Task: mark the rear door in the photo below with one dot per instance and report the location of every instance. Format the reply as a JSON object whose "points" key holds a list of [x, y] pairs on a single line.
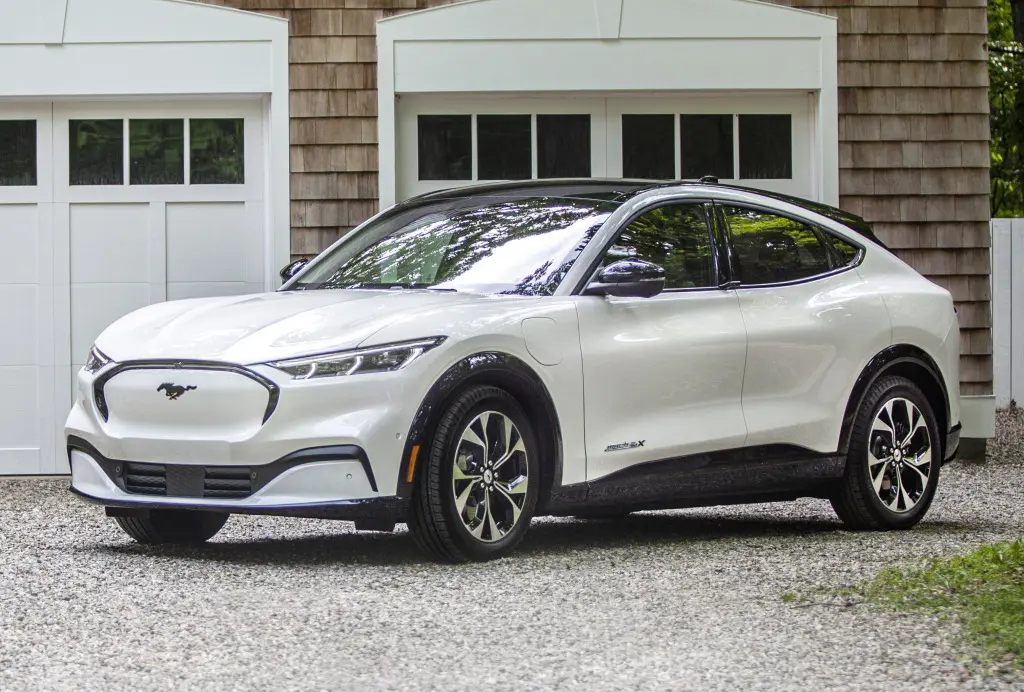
{"points": [[811, 322], [663, 376]]}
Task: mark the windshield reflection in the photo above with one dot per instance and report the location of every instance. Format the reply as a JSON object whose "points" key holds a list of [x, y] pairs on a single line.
{"points": [[522, 246]]}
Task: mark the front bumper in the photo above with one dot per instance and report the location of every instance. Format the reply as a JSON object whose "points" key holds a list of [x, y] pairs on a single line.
{"points": [[305, 442], [329, 483], [390, 510]]}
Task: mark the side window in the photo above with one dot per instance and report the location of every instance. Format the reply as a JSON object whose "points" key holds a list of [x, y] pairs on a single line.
{"points": [[675, 238], [773, 249], [846, 253]]}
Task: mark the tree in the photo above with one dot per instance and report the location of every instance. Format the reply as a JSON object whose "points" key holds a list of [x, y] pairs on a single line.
{"points": [[1006, 92]]}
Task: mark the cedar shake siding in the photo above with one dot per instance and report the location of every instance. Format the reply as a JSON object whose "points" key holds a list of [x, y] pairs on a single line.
{"points": [[913, 131]]}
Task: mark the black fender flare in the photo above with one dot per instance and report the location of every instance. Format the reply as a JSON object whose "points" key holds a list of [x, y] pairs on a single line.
{"points": [[498, 369], [899, 359]]}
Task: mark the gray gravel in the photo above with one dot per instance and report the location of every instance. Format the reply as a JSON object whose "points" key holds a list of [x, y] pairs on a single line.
{"points": [[671, 600]]}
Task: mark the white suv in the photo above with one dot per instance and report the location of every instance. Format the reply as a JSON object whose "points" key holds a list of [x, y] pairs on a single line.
{"points": [[473, 358]]}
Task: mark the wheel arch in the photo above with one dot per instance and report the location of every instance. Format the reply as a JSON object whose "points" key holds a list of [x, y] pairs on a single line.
{"points": [[497, 369], [906, 361]]}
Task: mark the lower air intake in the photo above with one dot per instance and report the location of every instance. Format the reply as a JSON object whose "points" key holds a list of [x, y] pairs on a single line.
{"points": [[227, 482], [145, 479]]}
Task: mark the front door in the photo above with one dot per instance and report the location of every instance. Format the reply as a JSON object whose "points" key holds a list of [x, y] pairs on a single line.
{"points": [[663, 376]]}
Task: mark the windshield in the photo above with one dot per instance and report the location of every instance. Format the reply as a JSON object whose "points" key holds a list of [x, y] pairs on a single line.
{"points": [[521, 246]]}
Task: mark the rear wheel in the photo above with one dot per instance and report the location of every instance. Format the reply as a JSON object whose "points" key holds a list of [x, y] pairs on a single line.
{"points": [[892, 468], [476, 494], [173, 526]]}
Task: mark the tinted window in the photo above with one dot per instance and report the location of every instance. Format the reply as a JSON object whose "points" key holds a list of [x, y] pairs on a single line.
{"points": [[217, 149], [773, 249], [766, 147], [17, 152], [675, 238], [156, 152], [504, 147], [648, 147], [445, 147], [705, 146], [563, 146], [97, 152], [846, 253]]}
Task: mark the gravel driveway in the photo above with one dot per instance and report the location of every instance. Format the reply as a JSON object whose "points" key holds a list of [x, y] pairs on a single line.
{"points": [[669, 600]]}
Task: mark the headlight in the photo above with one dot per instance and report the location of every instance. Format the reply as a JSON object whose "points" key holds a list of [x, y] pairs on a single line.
{"points": [[377, 359], [97, 361]]}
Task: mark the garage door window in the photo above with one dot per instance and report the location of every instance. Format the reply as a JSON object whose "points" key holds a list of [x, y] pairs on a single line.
{"points": [[17, 153], [446, 147], [97, 152], [503, 147], [648, 147], [157, 152], [563, 146], [760, 147], [766, 147], [705, 146], [217, 147]]}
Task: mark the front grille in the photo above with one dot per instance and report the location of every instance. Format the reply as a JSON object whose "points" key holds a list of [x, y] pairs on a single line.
{"points": [[227, 481], [180, 480], [145, 479]]}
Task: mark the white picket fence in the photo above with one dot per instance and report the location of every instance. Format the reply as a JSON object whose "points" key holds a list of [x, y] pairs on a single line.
{"points": [[1008, 310]]}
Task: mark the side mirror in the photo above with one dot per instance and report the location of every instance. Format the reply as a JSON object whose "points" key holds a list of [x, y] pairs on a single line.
{"points": [[293, 269], [629, 278]]}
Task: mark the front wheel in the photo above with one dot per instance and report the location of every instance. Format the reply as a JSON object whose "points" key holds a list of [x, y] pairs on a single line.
{"points": [[475, 496], [895, 452], [174, 526]]}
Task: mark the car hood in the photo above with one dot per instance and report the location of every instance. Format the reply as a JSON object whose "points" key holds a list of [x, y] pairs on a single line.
{"points": [[265, 327]]}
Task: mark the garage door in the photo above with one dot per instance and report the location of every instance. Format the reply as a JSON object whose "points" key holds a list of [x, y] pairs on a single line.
{"points": [[763, 141], [105, 208]]}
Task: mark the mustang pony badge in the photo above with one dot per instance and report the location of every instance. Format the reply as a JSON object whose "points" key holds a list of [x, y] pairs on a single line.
{"points": [[174, 391]]}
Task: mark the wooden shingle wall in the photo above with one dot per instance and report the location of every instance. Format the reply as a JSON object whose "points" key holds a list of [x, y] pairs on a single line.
{"points": [[333, 54], [913, 130], [914, 146]]}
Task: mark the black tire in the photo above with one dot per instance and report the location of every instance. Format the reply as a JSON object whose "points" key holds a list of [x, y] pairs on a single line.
{"points": [[855, 499], [173, 526], [434, 521]]}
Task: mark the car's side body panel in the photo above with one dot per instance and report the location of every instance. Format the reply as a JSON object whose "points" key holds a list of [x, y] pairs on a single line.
{"points": [[922, 315], [806, 344], [664, 376], [496, 325]]}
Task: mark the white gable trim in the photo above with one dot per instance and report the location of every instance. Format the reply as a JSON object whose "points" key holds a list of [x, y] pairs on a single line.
{"points": [[600, 46]]}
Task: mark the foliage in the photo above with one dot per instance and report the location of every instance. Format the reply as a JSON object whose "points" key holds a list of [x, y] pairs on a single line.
{"points": [[509, 247], [1006, 92], [984, 589]]}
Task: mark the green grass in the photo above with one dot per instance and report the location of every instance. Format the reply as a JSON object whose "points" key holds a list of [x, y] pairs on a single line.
{"points": [[984, 589]]}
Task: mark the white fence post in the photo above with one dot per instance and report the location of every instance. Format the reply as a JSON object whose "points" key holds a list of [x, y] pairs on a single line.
{"points": [[1008, 311], [1017, 312], [1002, 306]]}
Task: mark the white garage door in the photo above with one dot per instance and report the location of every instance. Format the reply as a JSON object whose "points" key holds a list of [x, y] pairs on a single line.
{"points": [[105, 208], [762, 141]]}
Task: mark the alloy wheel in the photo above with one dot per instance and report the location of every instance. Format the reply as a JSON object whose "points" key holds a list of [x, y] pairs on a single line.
{"points": [[490, 476], [899, 455]]}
